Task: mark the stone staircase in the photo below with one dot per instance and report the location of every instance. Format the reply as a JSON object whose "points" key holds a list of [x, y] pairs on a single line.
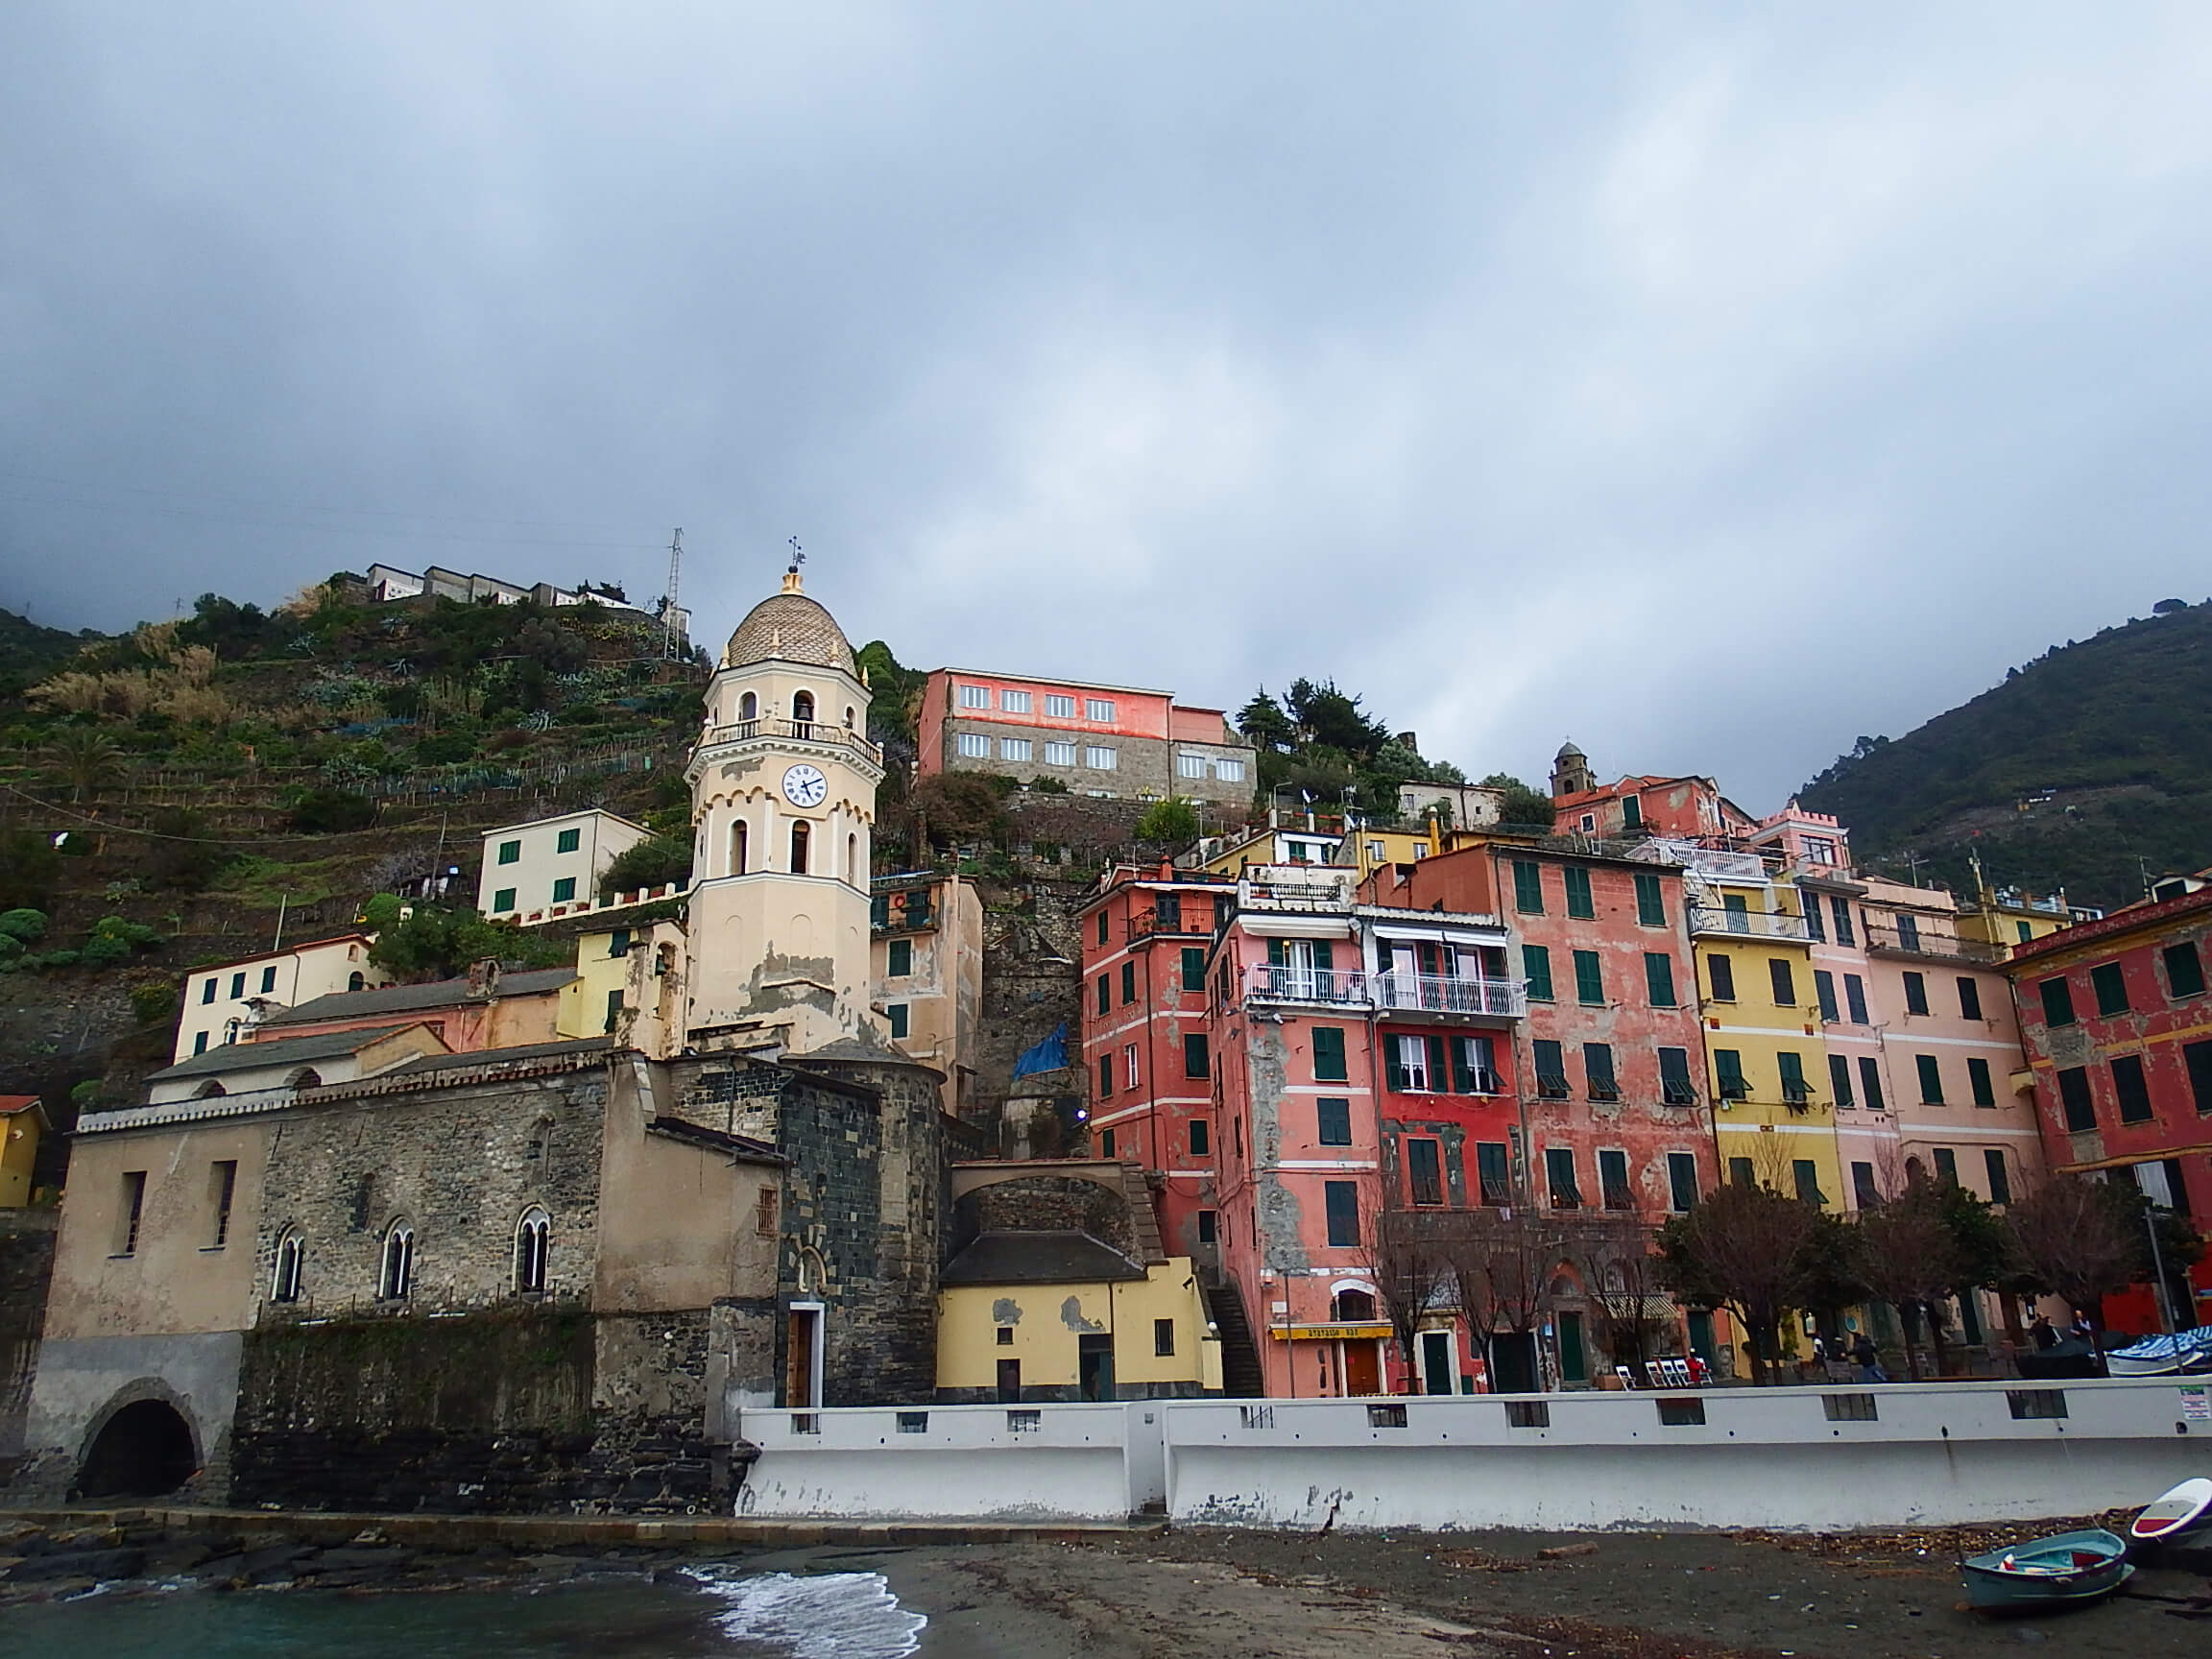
{"points": [[1241, 1378]]}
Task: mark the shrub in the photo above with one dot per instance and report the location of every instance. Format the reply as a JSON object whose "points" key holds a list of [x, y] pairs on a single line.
{"points": [[28, 870], [154, 1004], [23, 925], [182, 854], [653, 862], [1172, 820], [332, 811]]}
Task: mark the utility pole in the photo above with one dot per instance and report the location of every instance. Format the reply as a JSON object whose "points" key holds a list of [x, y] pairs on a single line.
{"points": [[675, 588], [2158, 1268]]}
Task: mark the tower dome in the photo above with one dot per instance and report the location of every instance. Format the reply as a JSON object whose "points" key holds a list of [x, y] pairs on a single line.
{"points": [[792, 628]]}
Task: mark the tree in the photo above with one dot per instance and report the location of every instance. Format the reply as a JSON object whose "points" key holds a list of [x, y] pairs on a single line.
{"points": [[1263, 721], [1748, 1248], [1412, 1273], [1333, 719], [656, 861], [1624, 1279], [433, 944], [2078, 1238], [1522, 805], [329, 812], [87, 757], [1501, 1262], [1171, 820], [30, 870], [1909, 1257]]}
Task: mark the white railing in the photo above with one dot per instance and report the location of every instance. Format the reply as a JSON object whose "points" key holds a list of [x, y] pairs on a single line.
{"points": [[588, 906], [1329, 987], [1751, 924], [1296, 887], [1441, 993], [822, 732]]}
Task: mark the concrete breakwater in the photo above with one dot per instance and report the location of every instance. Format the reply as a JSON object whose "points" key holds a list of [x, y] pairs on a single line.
{"points": [[1784, 1459]]}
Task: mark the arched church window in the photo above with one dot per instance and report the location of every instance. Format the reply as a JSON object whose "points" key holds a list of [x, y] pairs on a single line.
{"points": [[356, 981], [285, 1281], [306, 1078], [532, 1238], [749, 706], [396, 1278], [740, 836], [801, 834], [802, 708]]}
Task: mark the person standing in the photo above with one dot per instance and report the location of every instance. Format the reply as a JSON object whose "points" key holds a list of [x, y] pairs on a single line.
{"points": [[1869, 1360]]}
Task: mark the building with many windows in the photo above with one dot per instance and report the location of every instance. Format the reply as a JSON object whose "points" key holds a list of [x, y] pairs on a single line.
{"points": [[530, 869], [1108, 740], [225, 1002], [2118, 1030]]}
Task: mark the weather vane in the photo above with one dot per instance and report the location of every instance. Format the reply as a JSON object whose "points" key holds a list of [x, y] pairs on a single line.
{"points": [[798, 553]]}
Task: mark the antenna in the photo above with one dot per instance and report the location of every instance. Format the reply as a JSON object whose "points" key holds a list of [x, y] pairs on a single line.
{"points": [[798, 553], [675, 586]]}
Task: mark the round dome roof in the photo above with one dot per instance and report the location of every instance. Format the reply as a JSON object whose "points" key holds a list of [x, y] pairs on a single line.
{"points": [[1568, 748], [790, 626]]}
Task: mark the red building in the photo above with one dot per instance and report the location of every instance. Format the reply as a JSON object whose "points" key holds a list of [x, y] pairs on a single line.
{"points": [[1680, 809], [1148, 1037], [2118, 1031]]}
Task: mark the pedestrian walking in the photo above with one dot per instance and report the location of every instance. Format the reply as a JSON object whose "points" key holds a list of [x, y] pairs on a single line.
{"points": [[1869, 1360]]}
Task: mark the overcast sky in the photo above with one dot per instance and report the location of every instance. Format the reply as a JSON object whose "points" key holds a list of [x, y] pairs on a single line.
{"points": [[1708, 386]]}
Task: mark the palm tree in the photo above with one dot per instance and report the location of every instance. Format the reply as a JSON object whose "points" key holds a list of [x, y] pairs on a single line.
{"points": [[86, 756]]}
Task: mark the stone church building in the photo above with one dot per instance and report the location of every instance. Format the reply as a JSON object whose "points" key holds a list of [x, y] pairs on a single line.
{"points": [[543, 1277]]}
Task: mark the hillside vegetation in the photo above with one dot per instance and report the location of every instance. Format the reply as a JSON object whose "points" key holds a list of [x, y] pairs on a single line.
{"points": [[2085, 765]]}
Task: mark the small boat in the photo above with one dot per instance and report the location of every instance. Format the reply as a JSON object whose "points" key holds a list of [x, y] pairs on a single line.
{"points": [[2177, 1514], [2185, 1351], [2045, 1572]]}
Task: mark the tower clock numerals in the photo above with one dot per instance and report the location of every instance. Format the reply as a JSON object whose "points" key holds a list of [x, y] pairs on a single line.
{"points": [[804, 785]]}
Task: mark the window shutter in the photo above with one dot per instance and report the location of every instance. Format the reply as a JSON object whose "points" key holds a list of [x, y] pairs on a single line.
{"points": [[1324, 955], [1463, 1066], [1436, 1064], [1536, 966], [1277, 957]]}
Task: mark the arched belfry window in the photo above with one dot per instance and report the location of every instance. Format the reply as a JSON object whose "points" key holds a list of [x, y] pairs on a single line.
{"points": [[396, 1278], [802, 708], [741, 838], [285, 1277], [749, 706], [851, 718], [532, 1235], [801, 834], [356, 981]]}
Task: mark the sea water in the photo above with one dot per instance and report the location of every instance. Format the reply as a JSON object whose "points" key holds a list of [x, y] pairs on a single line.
{"points": [[708, 1612]]}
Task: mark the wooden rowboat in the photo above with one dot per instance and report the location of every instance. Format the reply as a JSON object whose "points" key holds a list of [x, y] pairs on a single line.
{"points": [[2069, 1567], [2177, 1514]]}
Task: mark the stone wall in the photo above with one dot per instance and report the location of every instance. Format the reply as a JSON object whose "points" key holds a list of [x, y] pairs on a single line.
{"points": [[1032, 983], [1047, 1204], [26, 1267], [541, 1409]]}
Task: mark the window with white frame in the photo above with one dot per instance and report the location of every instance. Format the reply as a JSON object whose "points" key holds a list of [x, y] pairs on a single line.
{"points": [[1100, 758], [1099, 708], [1190, 765], [1059, 754], [1014, 701], [395, 1277], [1059, 708], [975, 746], [1013, 748], [1229, 770], [531, 1237], [974, 696], [1412, 1064], [285, 1282]]}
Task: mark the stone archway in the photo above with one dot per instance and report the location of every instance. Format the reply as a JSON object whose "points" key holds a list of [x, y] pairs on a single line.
{"points": [[144, 1447]]}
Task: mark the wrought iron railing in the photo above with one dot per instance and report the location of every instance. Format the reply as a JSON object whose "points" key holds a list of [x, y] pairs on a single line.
{"points": [[1442, 993], [1749, 923], [1327, 986], [1882, 936]]}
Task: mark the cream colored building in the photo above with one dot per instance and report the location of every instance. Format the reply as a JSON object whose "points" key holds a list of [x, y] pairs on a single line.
{"points": [[223, 1003], [533, 870], [629, 985], [783, 808], [926, 973]]}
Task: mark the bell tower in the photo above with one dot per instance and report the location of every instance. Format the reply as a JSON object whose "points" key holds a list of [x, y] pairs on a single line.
{"points": [[783, 808]]}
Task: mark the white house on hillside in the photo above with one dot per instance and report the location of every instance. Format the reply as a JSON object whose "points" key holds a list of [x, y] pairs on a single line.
{"points": [[223, 1000], [550, 861]]}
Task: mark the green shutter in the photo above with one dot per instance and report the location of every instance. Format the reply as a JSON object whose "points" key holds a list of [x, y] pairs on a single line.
{"points": [[1978, 1078], [1277, 955], [1729, 1064], [1324, 955], [1193, 968], [1463, 1066], [1651, 904], [1529, 886], [1659, 979], [1589, 978], [1793, 1069], [1578, 900], [1436, 1064], [1329, 1054], [1536, 965]]}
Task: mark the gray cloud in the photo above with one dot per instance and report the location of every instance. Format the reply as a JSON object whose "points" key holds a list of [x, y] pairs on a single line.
{"points": [[1710, 387]]}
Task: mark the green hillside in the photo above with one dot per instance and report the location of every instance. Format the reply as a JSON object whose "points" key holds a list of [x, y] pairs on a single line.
{"points": [[2084, 767]]}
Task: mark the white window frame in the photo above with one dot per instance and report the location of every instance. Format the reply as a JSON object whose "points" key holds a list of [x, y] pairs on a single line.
{"points": [[1229, 770], [1058, 707], [1413, 1063], [975, 746], [974, 696], [1058, 753], [1190, 765], [1014, 701], [1013, 749], [1099, 711], [1101, 758], [1129, 1066]]}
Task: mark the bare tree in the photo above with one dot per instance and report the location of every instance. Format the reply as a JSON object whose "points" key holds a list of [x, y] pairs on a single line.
{"points": [[1501, 1262], [1625, 1288], [1412, 1272], [1908, 1257], [1748, 1248], [2078, 1238]]}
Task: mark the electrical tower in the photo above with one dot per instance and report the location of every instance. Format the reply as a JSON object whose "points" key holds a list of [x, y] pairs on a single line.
{"points": [[675, 588]]}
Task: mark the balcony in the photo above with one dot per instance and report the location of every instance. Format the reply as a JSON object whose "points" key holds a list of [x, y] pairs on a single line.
{"points": [[1885, 939], [1308, 887], [822, 732], [1441, 993], [1745, 924], [1316, 987]]}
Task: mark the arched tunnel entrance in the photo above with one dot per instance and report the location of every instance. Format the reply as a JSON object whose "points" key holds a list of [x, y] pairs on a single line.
{"points": [[143, 1451]]}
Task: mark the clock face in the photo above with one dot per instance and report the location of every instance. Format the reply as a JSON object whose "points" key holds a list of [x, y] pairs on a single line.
{"points": [[804, 785]]}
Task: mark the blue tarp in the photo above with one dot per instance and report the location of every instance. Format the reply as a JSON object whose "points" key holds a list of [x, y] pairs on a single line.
{"points": [[1050, 1055]]}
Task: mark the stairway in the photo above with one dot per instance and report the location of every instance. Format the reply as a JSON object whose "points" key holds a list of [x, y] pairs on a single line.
{"points": [[1241, 1378]]}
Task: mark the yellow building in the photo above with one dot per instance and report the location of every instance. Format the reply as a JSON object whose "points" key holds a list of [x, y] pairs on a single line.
{"points": [[22, 1121], [1774, 1117], [2005, 917], [1367, 849], [628, 985], [1058, 1316]]}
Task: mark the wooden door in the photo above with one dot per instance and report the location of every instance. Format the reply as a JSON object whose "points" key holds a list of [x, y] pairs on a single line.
{"points": [[1362, 1368]]}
